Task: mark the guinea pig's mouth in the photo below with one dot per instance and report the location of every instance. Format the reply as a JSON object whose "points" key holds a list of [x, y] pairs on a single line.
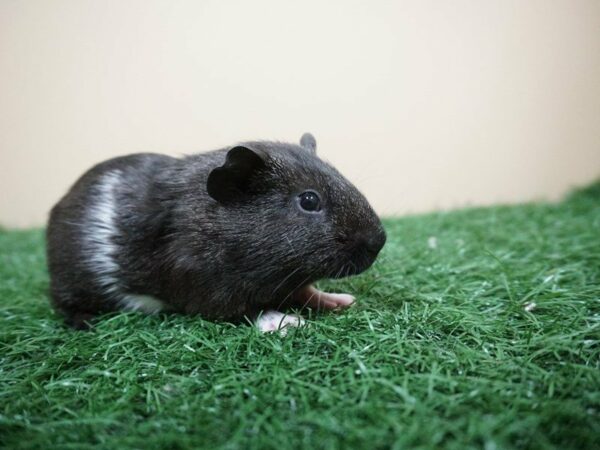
{"points": [[361, 253], [356, 264]]}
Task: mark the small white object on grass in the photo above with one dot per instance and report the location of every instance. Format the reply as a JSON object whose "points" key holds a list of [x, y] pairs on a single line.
{"points": [[432, 242], [310, 297], [529, 306], [272, 320]]}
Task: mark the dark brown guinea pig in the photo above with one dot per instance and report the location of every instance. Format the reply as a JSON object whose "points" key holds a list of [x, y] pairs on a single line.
{"points": [[235, 233]]}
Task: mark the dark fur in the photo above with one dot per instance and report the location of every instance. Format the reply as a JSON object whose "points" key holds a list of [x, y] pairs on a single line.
{"points": [[244, 249]]}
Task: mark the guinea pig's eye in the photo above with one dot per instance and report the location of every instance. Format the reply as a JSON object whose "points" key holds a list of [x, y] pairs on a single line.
{"points": [[310, 201]]}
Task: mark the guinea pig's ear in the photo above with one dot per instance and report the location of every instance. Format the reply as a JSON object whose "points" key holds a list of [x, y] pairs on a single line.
{"points": [[309, 142], [231, 181]]}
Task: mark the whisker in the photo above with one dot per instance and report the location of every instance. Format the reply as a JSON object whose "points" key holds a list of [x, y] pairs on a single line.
{"points": [[294, 290], [286, 278], [291, 245], [307, 301]]}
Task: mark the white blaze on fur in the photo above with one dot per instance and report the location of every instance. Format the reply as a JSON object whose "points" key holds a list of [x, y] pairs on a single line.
{"points": [[99, 233], [272, 320], [143, 303], [100, 230]]}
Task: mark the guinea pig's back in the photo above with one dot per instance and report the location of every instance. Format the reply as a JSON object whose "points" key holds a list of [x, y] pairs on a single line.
{"points": [[94, 225]]}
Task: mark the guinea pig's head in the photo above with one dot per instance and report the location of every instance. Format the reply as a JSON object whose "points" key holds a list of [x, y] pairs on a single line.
{"points": [[296, 218]]}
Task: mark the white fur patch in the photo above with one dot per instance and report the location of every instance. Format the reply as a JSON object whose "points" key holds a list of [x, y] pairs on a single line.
{"points": [[143, 303], [99, 232], [272, 320]]}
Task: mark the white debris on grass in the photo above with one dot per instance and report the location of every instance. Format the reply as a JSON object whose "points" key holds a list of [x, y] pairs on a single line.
{"points": [[432, 242]]}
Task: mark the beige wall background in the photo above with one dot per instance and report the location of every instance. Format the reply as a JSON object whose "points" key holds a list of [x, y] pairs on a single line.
{"points": [[423, 104]]}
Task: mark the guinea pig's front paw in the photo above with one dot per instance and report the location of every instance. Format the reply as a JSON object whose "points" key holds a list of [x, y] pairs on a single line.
{"points": [[272, 320], [314, 298]]}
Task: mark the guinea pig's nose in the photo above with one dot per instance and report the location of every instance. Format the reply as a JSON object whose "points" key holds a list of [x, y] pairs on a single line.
{"points": [[375, 241]]}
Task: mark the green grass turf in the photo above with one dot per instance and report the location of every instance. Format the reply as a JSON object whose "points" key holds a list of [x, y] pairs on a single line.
{"points": [[440, 351]]}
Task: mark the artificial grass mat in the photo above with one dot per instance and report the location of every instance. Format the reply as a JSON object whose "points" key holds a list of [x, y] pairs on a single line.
{"points": [[477, 328]]}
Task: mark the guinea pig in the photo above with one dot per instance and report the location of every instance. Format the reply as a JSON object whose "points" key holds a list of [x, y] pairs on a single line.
{"points": [[235, 234]]}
